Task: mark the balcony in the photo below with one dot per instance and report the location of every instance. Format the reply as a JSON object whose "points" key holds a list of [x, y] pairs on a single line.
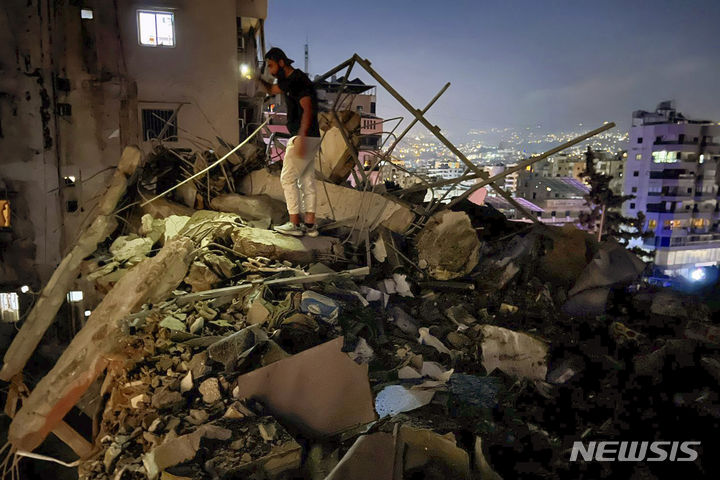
{"points": [[676, 146]]}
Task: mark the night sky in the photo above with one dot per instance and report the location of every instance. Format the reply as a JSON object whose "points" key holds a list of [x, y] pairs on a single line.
{"points": [[518, 63]]}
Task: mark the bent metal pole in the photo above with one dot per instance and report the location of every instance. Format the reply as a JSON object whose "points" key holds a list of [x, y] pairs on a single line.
{"points": [[211, 166]]}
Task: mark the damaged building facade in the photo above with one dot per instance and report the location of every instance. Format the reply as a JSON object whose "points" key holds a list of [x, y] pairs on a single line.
{"points": [[80, 80]]}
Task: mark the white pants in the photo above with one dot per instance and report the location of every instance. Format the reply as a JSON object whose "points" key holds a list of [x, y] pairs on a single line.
{"points": [[298, 175]]}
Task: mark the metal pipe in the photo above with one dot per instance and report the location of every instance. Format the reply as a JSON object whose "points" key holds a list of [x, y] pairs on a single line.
{"points": [[440, 183], [436, 131], [214, 164], [524, 164], [415, 120], [334, 70]]}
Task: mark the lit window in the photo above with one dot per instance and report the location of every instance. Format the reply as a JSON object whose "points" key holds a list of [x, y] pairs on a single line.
{"points": [[86, 13], [664, 157], [74, 296], [652, 224], [9, 307], [5, 213], [156, 29], [638, 156]]}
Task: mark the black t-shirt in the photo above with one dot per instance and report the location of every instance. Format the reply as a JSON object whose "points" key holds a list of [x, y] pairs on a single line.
{"points": [[295, 87]]}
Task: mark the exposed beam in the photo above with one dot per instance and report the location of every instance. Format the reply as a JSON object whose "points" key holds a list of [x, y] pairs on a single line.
{"points": [[436, 131], [526, 163]]}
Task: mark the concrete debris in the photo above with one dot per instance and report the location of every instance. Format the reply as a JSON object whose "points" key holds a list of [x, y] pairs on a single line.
{"points": [[210, 390], [338, 203], [611, 267], [180, 449], [448, 246], [216, 348], [320, 391], [99, 340], [251, 207], [53, 294], [131, 249], [228, 350], [255, 242], [201, 277], [371, 456], [514, 353], [335, 160], [426, 338]]}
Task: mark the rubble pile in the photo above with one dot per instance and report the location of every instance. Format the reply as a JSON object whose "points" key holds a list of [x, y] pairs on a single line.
{"points": [[474, 347]]}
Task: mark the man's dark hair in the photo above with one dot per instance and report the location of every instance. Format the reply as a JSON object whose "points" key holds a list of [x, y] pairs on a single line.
{"points": [[275, 54]]}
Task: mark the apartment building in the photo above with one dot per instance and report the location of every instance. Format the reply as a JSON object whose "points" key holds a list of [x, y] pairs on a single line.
{"points": [[672, 169]]}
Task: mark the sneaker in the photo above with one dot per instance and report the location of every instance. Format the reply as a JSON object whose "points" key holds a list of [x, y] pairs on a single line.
{"points": [[289, 228], [311, 231]]}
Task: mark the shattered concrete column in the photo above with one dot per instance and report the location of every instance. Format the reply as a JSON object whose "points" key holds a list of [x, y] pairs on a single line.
{"points": [[448, 246], [100, 342], [53, 295]]}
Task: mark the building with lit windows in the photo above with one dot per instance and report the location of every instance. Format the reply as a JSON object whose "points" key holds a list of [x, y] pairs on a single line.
{"points": [[672, 169]]}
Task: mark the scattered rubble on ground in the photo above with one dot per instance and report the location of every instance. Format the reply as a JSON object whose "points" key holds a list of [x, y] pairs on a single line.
{"points": [[454, 345]]}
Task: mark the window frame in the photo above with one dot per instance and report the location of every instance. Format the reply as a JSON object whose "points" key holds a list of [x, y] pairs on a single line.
{"points": [[155, 12]]}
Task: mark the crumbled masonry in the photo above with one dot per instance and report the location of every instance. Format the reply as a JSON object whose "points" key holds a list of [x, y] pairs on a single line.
{"points": [[399, 344]]}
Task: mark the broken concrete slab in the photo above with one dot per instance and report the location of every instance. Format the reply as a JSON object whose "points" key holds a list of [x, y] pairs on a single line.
{"points": [[259, 445], [418, 449], [210, 390], [200, 277], [514, 353], [371, 456], [255, 242], [669, 304], [251, 207], [448, 246], [336, 160], [164, 398], [334, 202], [164, 208], [612, 265], [228, 350], [321, 391], [180, 449], [98, 342], [566, 253], [131, 248]]}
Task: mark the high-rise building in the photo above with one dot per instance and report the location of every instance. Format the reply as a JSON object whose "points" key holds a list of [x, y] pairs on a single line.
{"points": [[672, 168]]}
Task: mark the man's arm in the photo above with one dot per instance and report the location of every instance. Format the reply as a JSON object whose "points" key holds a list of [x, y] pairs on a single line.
{"points": [[306, 120], [270, 88]]}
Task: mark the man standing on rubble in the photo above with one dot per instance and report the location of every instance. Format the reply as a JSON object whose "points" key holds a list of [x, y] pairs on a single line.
{"points": [[298, 171]]}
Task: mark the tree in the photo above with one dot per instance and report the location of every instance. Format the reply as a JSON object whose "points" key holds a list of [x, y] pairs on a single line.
{"points": [[605, 214]]}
